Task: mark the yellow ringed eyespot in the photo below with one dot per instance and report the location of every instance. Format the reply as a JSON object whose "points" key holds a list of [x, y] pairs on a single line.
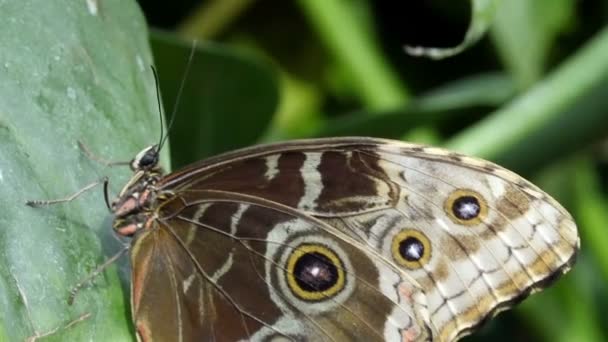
{"points": [[411, 248], [314, 272], [466, 207]]}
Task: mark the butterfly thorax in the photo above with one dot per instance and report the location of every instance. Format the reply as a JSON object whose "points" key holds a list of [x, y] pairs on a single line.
{"points": [[135, 204]]}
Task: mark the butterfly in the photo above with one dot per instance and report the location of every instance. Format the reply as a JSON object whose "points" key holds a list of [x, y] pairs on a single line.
{"points": [[334, 239]]}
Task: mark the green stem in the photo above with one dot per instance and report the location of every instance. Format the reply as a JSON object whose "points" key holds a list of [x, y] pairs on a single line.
{"points": [[546, 102], [591, 213], [212, 17], [338, 25]]}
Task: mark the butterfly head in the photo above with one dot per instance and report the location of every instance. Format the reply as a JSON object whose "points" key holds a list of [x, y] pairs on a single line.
{"points": [[135, 197], [146, 159]]}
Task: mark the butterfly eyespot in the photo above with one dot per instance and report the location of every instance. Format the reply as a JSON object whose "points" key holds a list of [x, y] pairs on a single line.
{"points": [[466, 207], [411, 248], [314, 272]]}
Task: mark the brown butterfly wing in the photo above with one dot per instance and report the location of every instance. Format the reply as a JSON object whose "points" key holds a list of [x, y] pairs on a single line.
{"points": [[322, 177], [214, 271], [379, 192]]}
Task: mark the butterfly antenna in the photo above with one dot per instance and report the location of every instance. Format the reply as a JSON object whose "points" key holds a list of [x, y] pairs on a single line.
{"points": [[160, 109], [179, 93]]}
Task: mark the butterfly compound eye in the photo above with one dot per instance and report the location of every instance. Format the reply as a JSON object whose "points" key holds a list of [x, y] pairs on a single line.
{"points": [[149, 159], [146, 159]]}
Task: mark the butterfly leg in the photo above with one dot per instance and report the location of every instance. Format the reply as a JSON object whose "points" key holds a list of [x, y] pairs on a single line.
{"points": [[37, 335], [42, 203], [92, 156], [74, 291], [87, 152]]}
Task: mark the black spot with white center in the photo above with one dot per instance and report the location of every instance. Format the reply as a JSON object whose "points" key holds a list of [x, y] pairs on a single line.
{"points": [[411, 249], [466, 207], [315, 272]]}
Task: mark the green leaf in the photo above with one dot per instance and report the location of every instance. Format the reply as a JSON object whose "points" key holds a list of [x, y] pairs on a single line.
{"points": [[452, 100], [482, 14], [591, 210], [486, 89], [349, 38], [524, 32], [228, 101], [70, 70], [562, 112]]}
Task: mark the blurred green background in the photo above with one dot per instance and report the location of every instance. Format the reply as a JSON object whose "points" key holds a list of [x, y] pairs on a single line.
{"points": [[522, 83]]}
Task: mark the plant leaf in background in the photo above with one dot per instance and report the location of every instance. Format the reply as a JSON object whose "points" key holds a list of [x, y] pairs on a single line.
{"points": [[565, 110], [349, 37], [453, 100], [525, 33], [69, 71], [228, 100], [482, 14]]}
